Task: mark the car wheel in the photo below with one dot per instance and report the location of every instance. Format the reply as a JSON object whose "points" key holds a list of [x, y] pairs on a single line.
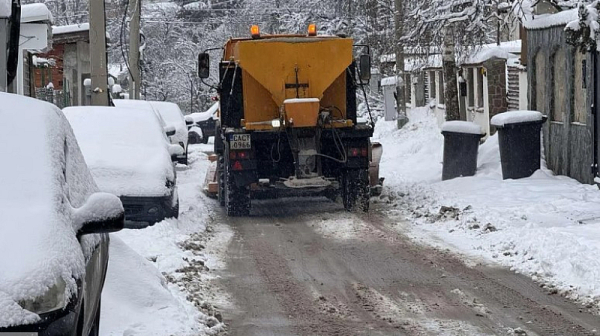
{"points": [[96, 326]]}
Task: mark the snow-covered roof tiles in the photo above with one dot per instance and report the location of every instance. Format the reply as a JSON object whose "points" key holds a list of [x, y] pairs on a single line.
{"points": [[36, 12], [550, 20], [75, 28]]}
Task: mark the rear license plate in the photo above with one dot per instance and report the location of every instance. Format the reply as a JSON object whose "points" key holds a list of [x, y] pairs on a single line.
{"points": [[240, 141]]}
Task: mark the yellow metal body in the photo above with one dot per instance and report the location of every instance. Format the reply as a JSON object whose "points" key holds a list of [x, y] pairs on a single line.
{"points": [[278, 68]]}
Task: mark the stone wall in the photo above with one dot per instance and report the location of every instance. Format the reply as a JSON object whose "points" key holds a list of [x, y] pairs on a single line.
{"points": [[496, 79]]}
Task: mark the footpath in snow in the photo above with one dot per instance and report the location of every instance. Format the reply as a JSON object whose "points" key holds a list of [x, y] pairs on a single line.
{"points": [[544, 226], [158, 280]]}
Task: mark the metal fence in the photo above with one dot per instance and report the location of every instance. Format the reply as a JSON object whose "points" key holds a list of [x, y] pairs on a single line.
{"points": [[56, 97]]}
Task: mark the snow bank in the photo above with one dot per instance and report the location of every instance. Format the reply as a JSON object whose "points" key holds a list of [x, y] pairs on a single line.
{"points": [[514, 117], [545, 226], [115, 141], [137, 300], [458, 126]]}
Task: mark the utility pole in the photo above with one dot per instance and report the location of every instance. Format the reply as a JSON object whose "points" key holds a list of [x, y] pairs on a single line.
{"points": [[99, 72], [134, 48], [400, 89]]}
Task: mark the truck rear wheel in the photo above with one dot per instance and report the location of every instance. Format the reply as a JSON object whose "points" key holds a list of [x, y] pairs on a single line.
{"points": [[237, 199], [355, 190]]}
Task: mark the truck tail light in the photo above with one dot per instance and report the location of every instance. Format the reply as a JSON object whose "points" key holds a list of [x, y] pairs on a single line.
{"points": [[357, 152]]}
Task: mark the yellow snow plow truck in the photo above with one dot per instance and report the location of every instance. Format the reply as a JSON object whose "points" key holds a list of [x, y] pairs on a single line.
{"points": [[288, 121]]}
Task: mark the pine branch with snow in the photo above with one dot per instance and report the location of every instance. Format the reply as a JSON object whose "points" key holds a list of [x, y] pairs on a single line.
{"points": [[583, 32]]}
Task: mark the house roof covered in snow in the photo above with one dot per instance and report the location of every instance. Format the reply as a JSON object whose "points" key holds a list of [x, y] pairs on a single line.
{"points": [[506, 50], [36, 12], [550, 20], [75, 28]]}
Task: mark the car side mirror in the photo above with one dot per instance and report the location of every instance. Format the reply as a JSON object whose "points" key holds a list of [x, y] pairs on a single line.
{"points": [[189, 121], [204, 65], [365, 68], [176, 151], [101, 213], [170, 131]]}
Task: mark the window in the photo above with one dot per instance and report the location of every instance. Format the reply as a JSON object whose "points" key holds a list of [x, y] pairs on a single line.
{"points": [[479, 87], [470, 86], [559, 83], [432, 85], [442, 99], [540, 82], [579, 88]]}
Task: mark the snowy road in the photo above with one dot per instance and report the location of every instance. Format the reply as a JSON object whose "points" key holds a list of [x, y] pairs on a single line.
{"points": [[306, 267]]}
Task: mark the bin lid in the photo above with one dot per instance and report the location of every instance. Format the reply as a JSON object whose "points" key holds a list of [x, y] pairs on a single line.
{"points": [[516, 117], [458, 126]]}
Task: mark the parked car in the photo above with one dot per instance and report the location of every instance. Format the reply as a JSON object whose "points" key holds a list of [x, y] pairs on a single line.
{"points": [[54, 225], [129, 156], [195, 135], [145, 106], [207, 121], [173, 116]]}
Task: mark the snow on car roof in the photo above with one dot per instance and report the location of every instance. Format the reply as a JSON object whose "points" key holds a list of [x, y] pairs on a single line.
{"points": [[203, 116], [38, 243], [139, 105], [124, 148]]}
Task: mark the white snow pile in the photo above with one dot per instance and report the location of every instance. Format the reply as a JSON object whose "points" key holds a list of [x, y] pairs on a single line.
{"points": [[545, 226], [155, 272], [115, 142], [172, 116], [515, 117], [137, 301], [459, 126], [38, 243]]}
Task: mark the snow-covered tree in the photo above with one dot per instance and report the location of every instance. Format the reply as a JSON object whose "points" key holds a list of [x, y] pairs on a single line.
{"points": [[456, 26]]}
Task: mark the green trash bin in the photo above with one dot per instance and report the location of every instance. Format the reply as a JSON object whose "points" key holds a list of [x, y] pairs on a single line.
{"points": [[519, 137], [461, 143]]}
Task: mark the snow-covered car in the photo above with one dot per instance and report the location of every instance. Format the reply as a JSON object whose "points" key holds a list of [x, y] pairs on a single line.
{"points": [[173, 116], [207, 121], [129, 156], [54, 225], [195, 135], [145, 106]]}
